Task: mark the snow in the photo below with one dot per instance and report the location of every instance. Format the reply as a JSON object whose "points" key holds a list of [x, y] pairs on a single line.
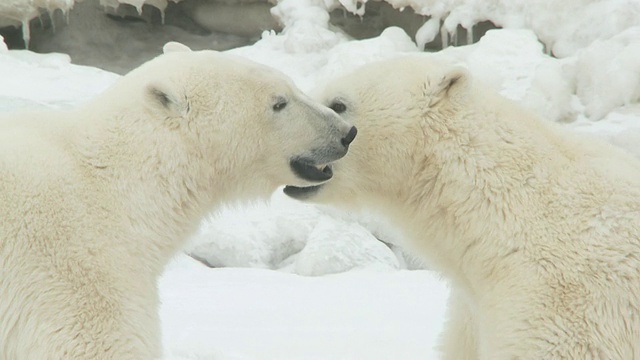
{"points": [[286, 280], [36, 80], [259, 314]]}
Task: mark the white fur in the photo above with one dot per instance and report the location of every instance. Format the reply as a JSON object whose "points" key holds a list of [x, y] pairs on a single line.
{"points": [[537, 229], [96, 200]]}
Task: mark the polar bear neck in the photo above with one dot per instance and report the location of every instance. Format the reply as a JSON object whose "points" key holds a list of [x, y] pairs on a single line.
{"points": [[485, 177], [140, 178]]}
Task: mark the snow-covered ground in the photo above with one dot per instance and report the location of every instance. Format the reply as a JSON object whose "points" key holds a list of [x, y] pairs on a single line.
{"points": [[292, 281]]}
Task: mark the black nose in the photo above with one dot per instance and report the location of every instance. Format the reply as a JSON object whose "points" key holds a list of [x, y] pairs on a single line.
{"points": [[350, 136]]}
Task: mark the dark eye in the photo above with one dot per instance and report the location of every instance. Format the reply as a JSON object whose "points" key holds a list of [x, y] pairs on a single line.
{"points": [[281, 104], [338, 107]]}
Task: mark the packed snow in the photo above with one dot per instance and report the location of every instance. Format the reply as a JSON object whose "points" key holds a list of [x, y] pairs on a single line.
{"points": [[284, 280]]}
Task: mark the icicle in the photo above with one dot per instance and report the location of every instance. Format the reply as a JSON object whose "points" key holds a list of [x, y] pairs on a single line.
{"points": [[52, 16], [427, 32], [162, 16], [444, 36], [40, 19], [470, 35], [547, 48], [26, 32], [454, 37]]}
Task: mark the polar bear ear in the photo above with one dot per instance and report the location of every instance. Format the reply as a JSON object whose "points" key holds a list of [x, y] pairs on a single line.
{"points": [[174, 46], [453, 83], [175, 104]]}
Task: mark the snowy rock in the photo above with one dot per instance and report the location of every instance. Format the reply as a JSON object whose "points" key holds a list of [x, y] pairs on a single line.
{"points": [[613, 66], [260, 235], [336, 246], [288, 235], [306, 26], [513, 63]]}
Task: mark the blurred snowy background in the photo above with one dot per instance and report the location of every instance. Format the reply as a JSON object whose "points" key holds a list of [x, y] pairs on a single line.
{"points": [[344, 285]]}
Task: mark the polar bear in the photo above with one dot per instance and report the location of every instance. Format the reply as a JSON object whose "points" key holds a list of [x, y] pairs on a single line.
{"points": [[537, 229], [96, 200]]}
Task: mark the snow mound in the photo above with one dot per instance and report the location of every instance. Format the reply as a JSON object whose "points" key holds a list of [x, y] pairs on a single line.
{"points": [[513, 63], [288, 235], [260, 235], [336, 246], [613, 66], [309, 67]]}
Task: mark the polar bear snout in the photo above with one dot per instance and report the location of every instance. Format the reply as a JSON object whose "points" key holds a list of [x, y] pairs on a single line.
{"points": [[315, 165]]}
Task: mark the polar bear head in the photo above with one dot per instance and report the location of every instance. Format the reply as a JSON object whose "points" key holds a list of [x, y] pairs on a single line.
{"points": [[236, 120], [402, 108]]}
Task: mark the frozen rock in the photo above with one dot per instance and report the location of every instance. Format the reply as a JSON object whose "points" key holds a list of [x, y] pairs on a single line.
{"points": [[335, 246]]}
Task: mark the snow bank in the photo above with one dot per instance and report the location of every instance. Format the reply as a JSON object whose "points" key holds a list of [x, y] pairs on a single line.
{"points": [[563, 26], [31, 80]]}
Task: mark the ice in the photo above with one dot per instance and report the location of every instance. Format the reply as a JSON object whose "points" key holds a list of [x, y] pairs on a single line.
{"points": [[306, 26], [20, 12], [427, 32]]}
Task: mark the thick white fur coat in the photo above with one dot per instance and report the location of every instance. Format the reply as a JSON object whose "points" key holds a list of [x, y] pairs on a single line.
{"points": [[538, 229]]}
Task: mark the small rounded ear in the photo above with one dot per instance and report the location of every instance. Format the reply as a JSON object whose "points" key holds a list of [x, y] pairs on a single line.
{"points": [[174, 46], [175, 104], [453, 82]]}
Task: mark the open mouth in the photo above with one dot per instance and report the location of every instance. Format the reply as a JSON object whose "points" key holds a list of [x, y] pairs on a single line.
{"points": [[307, 170], [301, 193]]}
